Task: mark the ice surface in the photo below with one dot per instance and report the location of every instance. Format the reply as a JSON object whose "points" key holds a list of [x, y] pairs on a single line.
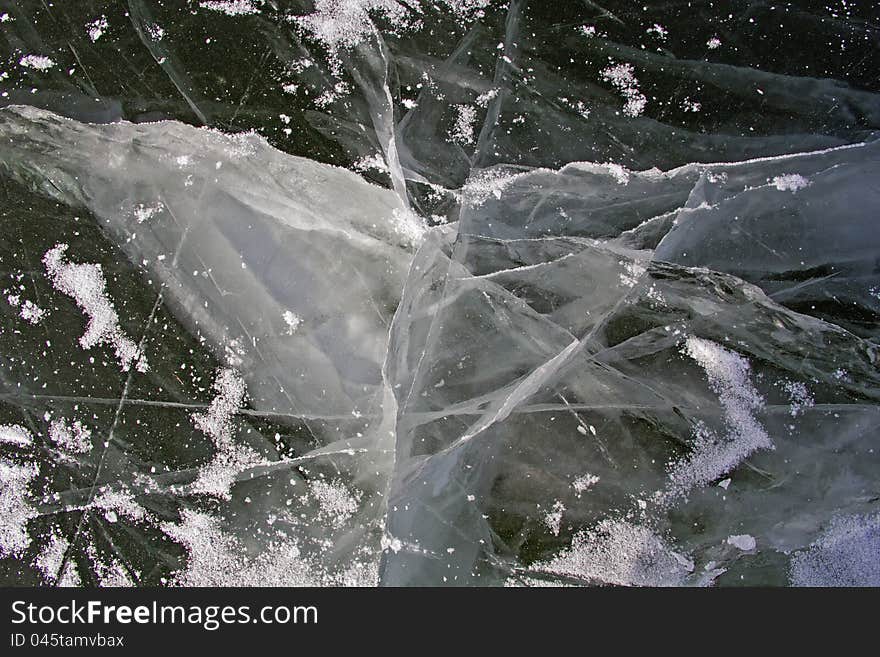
{"points": [[438, 293]]}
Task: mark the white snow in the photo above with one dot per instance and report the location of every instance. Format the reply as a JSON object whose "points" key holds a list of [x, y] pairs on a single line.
{"points": [[96, 28], [292, 321], [584, 483], [335, 502], [217, 558], [85, 284], [14, 506], [37, 62], [28, 310], [846, 554], [622, 77], [618, 552], [218, 476], [15, 434], [744, 542], [72, 437], [790, 182], [50, 558], [553, 518], [712, 455], [144, 212], [463, 131], [231, 7]]}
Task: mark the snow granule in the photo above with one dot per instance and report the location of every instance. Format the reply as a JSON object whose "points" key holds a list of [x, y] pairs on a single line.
{"points": [[374, 162], [116, 503], [27, 310], [409, 226], [49, 561], [343, 24], [484, 185], [155, 31], [144, 212], [659, 31], [108, 571]]}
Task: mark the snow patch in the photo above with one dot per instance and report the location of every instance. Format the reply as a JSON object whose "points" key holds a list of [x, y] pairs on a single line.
{"points": [[622, 77], [85, 284], [618, 552], [713, 456], [37, 62], [14, 506]]}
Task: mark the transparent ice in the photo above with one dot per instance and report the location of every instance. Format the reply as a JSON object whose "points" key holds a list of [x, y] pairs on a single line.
{"points": [[476, 295]]}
